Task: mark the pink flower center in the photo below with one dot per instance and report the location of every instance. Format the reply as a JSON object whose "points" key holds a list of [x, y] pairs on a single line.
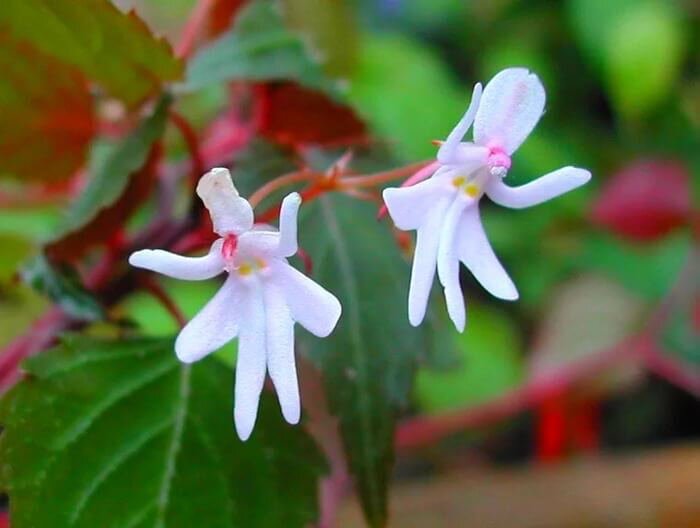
{"points": [[498, 158], [229, 247]]}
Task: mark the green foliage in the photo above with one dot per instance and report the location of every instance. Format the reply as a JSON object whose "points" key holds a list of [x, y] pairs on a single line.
{"points": [[118, 433], [114, 49], [110, 178], [490, 354], [405, 93], [368, 362], [62, 285], [259, 48]]}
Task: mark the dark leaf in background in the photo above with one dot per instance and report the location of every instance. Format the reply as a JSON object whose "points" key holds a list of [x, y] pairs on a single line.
{"points": [[369, 361], [258, 48], [222, 13], [63, 286], [46, 114], [645, 200], [114, 49], [293, 115], [119, 433], [116, 187]]}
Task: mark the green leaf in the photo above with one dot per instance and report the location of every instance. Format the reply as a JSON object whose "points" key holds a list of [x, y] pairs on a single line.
{"points": [[490, 353], [258, 48], [368, 362], [111, 175], [46, 114], [112, 48], [119, 434], [406, 94], [62, 285], [19, 307]]}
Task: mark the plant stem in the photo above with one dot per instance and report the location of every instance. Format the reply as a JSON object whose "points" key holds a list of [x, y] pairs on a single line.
{"points": [[192, 143], [279, 182], [193, 27]]}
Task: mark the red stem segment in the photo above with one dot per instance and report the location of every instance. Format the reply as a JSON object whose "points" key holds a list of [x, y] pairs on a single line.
{"points": [[193, 28]]}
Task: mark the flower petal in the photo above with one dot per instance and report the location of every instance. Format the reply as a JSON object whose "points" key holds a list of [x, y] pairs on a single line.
{"points": [[250, 365], [179, 267], [410, 206], [448, 149], [448, 261], [511, 106], [310, 305], [288, 225], [540, 190], [476, 253], [229, 212], [425, 258], [279, 328], [214, 326]]}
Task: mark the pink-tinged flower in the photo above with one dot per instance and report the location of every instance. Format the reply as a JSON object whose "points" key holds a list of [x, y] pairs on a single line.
{"points": [[262, 298], [444, 209]]}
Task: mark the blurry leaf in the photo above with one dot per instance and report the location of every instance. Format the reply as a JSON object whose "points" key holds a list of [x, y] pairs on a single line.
{"points": [[587, 316], [258, 48], [490, 351], [63, 286], [259, 162], [14, 250], [118, 184], [406, 94], [647, 270], [119, 433], [46, 114], [114, 49], [34, 223], [368, 362], [682, 337], [221, 15], [19, 307], [293, 115], [645, 200], [644, 56], [331, 26]]}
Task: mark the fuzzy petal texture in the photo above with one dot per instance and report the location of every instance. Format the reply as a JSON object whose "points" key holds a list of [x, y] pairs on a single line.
{"points": [[310, 305], [448, 261], [250, 365], [512, 104], [425, 258], [540, 190], [281, 365], [477, 255], [448, 150], [230, 213], [409, 207], [214, 326], [179, 267]]}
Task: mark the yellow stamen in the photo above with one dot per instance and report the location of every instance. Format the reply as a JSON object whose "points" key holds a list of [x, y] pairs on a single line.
{"points": [[260, 263], [245, 269], [471, 190], [458, 181]]}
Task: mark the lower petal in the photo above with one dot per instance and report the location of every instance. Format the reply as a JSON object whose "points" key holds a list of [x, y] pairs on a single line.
{"points": [[476, 253], [448, 262], [214, 326], [279, 328], [409, 207], [250, 366]]}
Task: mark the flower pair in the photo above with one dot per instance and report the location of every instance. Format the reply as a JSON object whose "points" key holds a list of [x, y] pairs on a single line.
{"points": [[263, 296]]}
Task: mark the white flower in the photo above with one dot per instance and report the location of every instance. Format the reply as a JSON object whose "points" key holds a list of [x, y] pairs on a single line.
{"points": [[262, 298], [445, 208]]}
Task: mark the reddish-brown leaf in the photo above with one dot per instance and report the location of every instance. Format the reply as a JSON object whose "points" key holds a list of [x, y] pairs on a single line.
{"points": [[222, 14], [292, 115], [645, 200], [109, 221], [46, 114]]}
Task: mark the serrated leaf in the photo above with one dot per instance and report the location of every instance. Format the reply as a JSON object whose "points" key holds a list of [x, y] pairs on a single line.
{"points": [[108, 182], [118, 434], [258, 48], [368, 362], [46, 114], [115, 49], [63, 286]]}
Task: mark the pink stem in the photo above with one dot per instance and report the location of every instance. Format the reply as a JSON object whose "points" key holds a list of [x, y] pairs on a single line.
{"points": [[193, 28]]}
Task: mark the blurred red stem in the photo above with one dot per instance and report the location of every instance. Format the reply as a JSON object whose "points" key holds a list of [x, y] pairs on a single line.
{"points": [[154, 288], [193, 27], [192, 142]]}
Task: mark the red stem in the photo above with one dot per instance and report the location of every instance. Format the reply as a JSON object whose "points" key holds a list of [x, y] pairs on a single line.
{"points": [[192, 142], [154, 288], [193, 27]]}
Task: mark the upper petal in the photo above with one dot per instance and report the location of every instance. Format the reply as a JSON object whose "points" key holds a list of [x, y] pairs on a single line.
{"points": [[179, 267], [512, 104], [448, 149], [214, 326], [310, 305], [540, 190], [229, 212], [288, 225], [476, 253]]}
